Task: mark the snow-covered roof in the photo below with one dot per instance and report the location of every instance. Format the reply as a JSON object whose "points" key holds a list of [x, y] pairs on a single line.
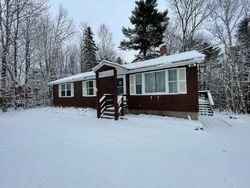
{"points": [[108, 63], [75, 78], [170, 60], [181, 59]]}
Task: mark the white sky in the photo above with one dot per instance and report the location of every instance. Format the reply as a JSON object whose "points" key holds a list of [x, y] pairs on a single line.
{"points": [[114, 13]]}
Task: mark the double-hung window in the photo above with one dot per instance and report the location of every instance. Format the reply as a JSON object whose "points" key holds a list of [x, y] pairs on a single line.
{"points": [[182, 80], [88, 88], [155, 82], [136, 84], [66, 90], [172, 81], [177, 80]]}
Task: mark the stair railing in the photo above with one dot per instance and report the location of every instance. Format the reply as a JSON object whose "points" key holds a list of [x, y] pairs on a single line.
{"points": [[120, 102], [104, 101]]}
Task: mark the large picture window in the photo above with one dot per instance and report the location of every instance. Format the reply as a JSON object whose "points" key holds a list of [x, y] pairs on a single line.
{"points": [[88, 88], [155, 82], [66, 90]]}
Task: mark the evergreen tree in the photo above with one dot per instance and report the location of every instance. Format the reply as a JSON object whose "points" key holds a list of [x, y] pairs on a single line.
{"points": [[149, 27], [88, 51], [243, 35]]}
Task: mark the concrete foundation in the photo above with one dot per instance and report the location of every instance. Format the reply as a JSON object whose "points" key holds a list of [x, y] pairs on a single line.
{"points": [[186, 115]]}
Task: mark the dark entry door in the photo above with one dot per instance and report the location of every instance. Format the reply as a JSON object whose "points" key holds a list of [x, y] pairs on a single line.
{"points": [[120, 86]]}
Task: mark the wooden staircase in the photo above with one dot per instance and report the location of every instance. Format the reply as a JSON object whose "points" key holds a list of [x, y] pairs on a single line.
{"points": [[205, 109], [110, 107], [206, 103]]}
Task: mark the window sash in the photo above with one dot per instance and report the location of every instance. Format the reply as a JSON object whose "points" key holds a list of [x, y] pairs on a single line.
{"points": [[172, 81], [138, 84], [89, 88], [155, 82], [66, 90]]}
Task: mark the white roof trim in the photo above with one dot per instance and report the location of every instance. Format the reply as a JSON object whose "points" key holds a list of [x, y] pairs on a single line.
{"points": [[163, 66], [108, 63], [75, 78]]}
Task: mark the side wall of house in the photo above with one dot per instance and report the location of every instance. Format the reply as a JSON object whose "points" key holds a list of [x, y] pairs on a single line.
{"points": [[172, 103], [78, 100]]}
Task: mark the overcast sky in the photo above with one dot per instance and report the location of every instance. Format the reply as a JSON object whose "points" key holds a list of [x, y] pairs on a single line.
{"points": [[114, 13]]}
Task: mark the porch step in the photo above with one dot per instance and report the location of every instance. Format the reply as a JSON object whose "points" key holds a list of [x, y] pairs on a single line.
{"points": [[205, 109], [109, 113], [110, 108], [106, 117]]}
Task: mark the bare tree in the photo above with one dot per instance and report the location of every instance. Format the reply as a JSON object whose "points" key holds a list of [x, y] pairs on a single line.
{"points": [[190, 17], [225, 18], [6, 21], [172, 39], [54, 34], [105, 44]]}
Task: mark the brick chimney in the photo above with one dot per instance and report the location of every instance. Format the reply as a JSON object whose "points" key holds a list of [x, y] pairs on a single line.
{"points": [[163, 50]]}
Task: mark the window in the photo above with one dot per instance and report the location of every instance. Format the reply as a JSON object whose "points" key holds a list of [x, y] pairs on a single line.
{"points": [[138, 84], [66, 90], [182, 80], [172, 81], [155, 82], [135, 84], [88, 88], [120, 86]]}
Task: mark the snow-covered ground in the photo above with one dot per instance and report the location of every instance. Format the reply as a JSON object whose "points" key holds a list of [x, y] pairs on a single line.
{"points": [[70, 148]]}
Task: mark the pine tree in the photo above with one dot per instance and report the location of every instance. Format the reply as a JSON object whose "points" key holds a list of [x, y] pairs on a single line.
{"points": [[88, 49], [149, 27]]}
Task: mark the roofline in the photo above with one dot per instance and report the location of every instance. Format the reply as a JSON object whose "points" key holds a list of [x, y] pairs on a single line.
{"points": [[126, 70], [162, 66], [108, 63], [60, 81]]}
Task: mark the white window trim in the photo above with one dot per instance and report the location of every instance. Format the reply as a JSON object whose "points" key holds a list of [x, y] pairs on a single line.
{"points": [[133, 93], [178, 78], [84, 88], [177, 75], [71, 89], [132, 84], [133, 77]]}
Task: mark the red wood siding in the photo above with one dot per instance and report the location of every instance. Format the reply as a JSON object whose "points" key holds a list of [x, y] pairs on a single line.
{"points": [[181, 102], [78, 100]]}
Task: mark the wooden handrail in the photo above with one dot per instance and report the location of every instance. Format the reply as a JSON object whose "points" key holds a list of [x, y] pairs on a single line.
{"points": [[120, 105]]}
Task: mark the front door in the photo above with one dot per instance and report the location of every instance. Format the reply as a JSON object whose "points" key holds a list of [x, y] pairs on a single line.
{"points": [[120, 86]]}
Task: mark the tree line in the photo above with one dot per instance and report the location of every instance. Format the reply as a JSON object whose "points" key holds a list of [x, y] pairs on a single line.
{"points": [[36, 48], [219, 29]]}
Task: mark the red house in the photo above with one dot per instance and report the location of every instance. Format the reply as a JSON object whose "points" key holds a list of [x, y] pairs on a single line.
{"points": [[167, 85]]}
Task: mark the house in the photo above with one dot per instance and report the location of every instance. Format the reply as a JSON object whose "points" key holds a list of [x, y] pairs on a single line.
{"points": [[167, 85]]}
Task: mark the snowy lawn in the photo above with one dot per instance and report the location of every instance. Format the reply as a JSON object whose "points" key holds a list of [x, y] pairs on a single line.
{"points": [[70, 148]]}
